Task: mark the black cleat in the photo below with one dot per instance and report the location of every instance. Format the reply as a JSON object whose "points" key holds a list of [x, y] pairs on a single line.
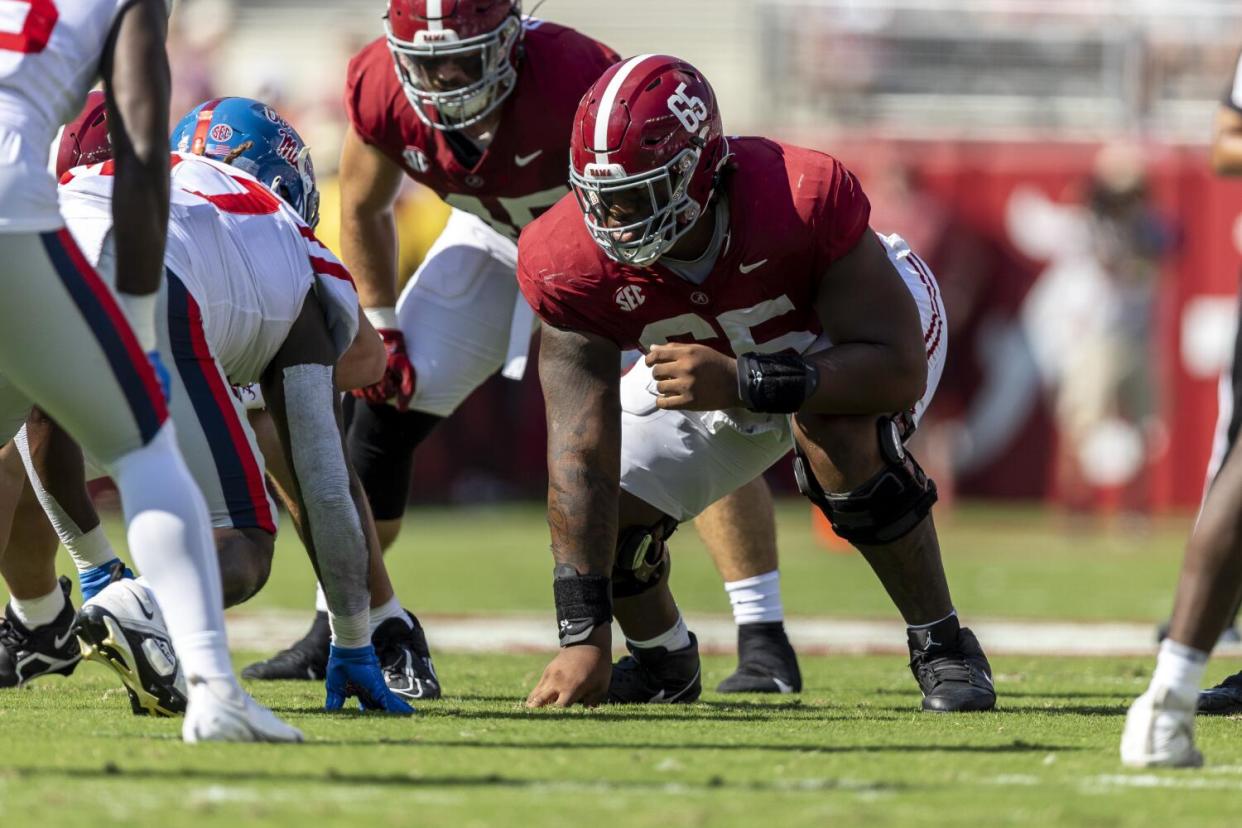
{"points": [[405, 659], [27, 654], [766, 662], [951, 669], [657, 676], [306, 660], [1224, 699]]}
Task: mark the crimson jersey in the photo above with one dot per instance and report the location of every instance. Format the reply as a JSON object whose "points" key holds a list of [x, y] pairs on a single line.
{"points": [[792, 212], [523, 171]]}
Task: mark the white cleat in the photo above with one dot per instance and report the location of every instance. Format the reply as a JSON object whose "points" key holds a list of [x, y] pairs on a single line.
{"points": [[123, 629], [221, 711], [1160, 731]]}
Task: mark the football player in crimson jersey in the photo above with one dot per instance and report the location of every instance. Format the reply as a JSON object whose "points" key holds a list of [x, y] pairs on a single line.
{"points": [[479, 110], [771, 317]]}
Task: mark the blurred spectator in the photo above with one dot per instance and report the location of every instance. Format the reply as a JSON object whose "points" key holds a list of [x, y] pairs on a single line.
{"points": [[1090, 320]]}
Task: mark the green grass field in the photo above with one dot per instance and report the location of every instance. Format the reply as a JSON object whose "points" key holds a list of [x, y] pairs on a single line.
{"points": [[1001, 562], [852, 749]]}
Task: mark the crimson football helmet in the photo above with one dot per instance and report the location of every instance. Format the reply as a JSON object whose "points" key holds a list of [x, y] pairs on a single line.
{"points": [[455, 58], [85, 140], [646, 148]]}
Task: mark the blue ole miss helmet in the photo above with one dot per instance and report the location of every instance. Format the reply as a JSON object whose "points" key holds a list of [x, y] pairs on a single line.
{"points": [[251, 136]]}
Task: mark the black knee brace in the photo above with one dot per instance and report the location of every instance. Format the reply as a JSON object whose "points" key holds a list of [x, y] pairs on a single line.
{"points": [[642, 558], [887, 506]]}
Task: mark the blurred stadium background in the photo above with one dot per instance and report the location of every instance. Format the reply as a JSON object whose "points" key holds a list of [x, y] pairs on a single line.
{"points": [[1049, 158]]}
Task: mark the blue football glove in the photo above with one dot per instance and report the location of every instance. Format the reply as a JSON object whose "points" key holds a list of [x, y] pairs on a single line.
{"points": [[161, 374], [355, 671]]}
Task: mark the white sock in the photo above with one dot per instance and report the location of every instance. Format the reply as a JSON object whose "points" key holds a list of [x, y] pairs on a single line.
{"points": [[90, 550], [38, 612], [170, 539], [351, 631], [389, 609], [1180, 668], [321, 600], [756, 600], [677, 637]]}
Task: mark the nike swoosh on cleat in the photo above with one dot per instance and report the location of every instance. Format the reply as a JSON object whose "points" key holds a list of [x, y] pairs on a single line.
{"points": [[783, 686], [747, 268], [150, 614], [61, 641], [523, 160]]}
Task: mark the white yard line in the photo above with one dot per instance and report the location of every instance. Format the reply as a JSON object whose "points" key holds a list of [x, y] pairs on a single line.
{"points": [[263, 630]]}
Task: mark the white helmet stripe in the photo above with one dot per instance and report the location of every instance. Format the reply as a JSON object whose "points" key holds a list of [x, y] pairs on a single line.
{"points": [[434, 13], [604, 114]]}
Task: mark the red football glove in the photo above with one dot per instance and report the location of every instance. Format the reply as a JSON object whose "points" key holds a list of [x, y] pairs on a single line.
{"points": [[398, 379]]}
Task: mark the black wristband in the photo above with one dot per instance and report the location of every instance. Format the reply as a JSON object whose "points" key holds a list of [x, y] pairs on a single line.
{"points": [[583, 602], [775, 383]]}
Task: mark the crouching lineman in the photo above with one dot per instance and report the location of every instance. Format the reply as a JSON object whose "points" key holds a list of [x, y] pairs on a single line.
{"points": [[475, 102], [67, 344], [250, 296], [746, 272]]}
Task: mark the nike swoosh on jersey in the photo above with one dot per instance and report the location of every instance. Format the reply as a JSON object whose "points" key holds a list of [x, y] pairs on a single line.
{"points": [[747, 268], [523, 160]]}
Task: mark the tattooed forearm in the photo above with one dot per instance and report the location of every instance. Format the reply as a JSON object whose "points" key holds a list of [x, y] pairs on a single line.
{"points": [[579, 373]]}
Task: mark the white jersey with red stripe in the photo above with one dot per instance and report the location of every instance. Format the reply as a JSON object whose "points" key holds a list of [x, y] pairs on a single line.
{"points": [[244, 255], [49, 59]]}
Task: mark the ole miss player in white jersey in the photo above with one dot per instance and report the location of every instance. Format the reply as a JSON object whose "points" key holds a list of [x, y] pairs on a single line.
{"points": [[747, 273], [68, 346], [479, 110], [250, 296]]}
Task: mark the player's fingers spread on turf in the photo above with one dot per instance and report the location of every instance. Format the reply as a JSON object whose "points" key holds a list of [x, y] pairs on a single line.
{"points": [[541, 695]]}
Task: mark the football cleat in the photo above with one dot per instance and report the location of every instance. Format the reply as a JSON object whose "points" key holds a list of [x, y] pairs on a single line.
{"points": [[26, 654], [657, 676], [355, 671], [951, 669], [1160, 731], [307, 659], [219, 710], [123, 628], [1224, 699], [405, 658], [766, 662]]}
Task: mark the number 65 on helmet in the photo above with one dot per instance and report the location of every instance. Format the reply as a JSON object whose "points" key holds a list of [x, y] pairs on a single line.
{"points": [[646, 149]]}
